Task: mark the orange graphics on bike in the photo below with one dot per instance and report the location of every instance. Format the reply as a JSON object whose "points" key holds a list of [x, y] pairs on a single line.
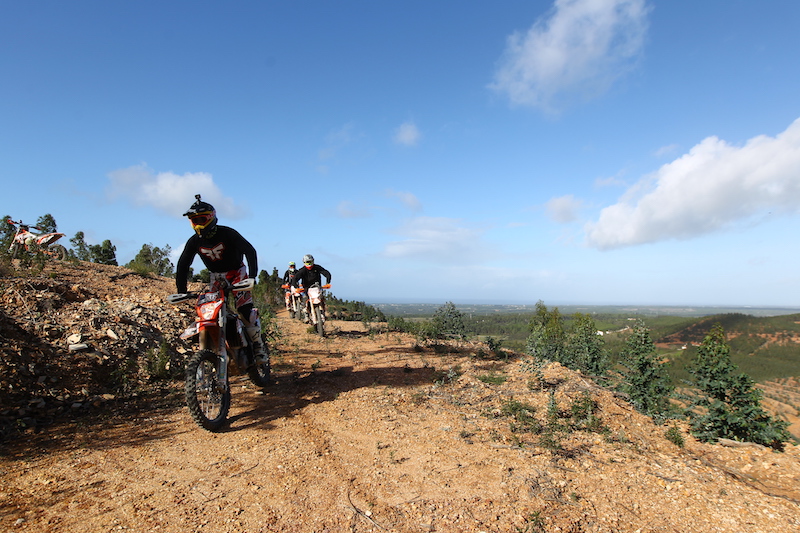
{"points": [[25, 239], [221, 338]]}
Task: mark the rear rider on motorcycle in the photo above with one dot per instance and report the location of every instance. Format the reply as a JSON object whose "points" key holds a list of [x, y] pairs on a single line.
{"points": [[222, 250], [288, 277], [309, 275]]}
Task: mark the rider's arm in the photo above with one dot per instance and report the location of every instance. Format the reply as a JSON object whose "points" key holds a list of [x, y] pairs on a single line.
{"points": [[327, 275], [249, 253], [184, 262]]}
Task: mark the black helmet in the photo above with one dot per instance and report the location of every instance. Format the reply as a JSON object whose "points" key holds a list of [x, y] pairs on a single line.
{"points": [[203, 217]]}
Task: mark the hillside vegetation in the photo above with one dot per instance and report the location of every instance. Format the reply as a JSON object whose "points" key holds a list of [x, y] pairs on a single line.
{"points": [[367, 429]]}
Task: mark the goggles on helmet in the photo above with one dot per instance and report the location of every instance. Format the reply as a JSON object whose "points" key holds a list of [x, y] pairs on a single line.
{"points": [[201, 220]]}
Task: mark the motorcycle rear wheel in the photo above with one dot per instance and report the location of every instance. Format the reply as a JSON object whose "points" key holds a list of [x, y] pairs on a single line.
{"points": [[58, 252], [208, 399], [260, 374]]}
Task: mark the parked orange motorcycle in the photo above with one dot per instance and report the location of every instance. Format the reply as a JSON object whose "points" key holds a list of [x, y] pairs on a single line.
{"points": [[25, 239]]}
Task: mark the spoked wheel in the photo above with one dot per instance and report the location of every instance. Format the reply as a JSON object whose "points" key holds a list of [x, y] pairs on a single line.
{"points": [[58, 252], [208, 399]]}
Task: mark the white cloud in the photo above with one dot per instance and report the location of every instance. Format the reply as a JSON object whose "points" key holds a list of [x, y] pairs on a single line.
{"points": [[579, 50], [347, 209], [407, 134], [406, 198], [168, 192], [564, 209], [710, 188], [437, 239]]}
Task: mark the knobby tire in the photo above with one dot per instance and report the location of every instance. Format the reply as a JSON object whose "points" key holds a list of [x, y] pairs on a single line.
{"points": [[318, 318], [260, 374], [58, 252], [207, 404]]}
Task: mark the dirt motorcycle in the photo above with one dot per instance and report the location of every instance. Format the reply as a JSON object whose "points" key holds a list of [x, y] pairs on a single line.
{"points": [[294, 301], [222, 339], [25, 239], [315, 307]]}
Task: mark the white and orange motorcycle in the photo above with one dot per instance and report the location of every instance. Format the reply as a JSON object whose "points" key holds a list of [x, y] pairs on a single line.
{"points": [[222, 339], [315, 306], [25, 239]]}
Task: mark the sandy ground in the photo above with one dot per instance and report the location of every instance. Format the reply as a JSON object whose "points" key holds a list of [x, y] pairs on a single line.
{"points": [[366, 432]]}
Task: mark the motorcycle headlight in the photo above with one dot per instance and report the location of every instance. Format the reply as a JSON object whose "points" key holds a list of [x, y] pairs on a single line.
{"points": [[209, 311]]}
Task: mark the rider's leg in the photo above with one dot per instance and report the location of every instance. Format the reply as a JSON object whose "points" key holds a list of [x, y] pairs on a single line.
{"points": [[252, 326]]}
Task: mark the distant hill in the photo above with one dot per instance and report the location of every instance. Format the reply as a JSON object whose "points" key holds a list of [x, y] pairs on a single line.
{"points": [[423, 309]]}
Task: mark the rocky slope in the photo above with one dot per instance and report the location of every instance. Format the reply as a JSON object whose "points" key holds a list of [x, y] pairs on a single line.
{"points": [[361, 431]]}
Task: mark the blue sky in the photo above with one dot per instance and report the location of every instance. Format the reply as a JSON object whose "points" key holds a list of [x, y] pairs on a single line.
{"points": [[571, 151]]}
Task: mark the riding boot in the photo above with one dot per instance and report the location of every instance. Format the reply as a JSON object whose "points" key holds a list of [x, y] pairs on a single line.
{"points": [[254, 332]]}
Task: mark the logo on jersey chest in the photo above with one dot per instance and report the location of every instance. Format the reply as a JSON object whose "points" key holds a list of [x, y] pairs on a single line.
{"points": [[215, 253]]}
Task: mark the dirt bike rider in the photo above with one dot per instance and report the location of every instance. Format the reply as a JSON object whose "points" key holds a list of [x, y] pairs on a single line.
{"points": [[221, 249], [308, 276], [288, 277]]}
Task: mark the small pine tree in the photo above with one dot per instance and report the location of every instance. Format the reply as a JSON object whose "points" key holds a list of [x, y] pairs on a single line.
{"points": [[547, 339], [647, 381], [47, 224], [585, 349], [80, 248], [153, 259], [447, 320], [730, 403], [104, 254], [7, 232]]}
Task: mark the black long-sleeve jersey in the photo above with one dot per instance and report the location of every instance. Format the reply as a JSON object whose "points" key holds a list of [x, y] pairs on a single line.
{"points": [[222, 252], [310, 275], [289, 275]]}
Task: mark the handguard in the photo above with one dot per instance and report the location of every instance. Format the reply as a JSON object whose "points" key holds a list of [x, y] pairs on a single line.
{"points": [[178, 298], [244, 285]]}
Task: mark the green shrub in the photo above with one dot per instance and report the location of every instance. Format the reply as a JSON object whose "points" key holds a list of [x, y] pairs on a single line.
{"points": [[729, 404], [646, 378]]}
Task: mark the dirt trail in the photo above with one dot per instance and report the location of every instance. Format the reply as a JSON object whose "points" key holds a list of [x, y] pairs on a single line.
{"points": [[363, 432]]}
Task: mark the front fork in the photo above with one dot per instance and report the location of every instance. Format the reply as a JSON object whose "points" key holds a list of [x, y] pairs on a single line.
{"points": [[212, 339]]}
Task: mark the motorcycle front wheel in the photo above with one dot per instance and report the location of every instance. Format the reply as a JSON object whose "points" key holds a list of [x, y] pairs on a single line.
{"points": [[208, 399], [320, 325]]}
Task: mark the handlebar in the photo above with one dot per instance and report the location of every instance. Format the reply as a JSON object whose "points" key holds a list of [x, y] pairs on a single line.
{"points": [[244, 285], [21, 223], [303, 289]]}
